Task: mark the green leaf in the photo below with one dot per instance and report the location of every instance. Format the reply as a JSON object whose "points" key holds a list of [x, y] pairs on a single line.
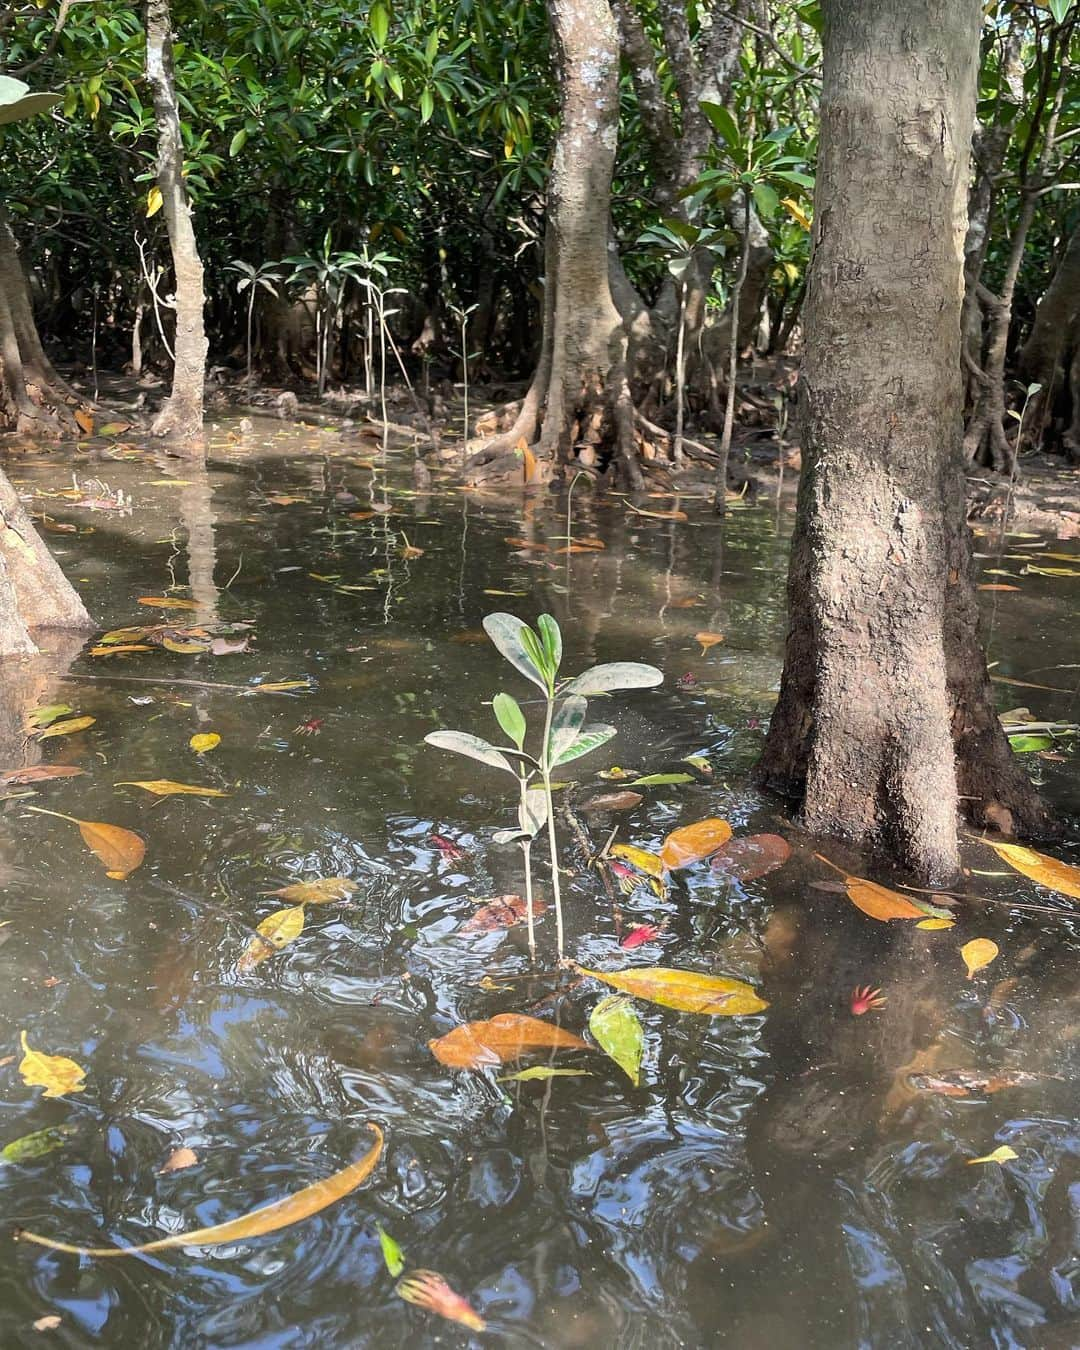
{"points": [[766, 200], [568, 721], [591, 739], [803, 180], [379, 22], [615, 675], [617, 1030], [506, 632], [510, 718], [662, 779], [723, 123], [427, 105], [473, 747], [17, 102], [533, 812], [1060, 9], [540, 1071], [551, 636], [1024, 745], [238, 142], [392, 1254], [36, 1145]]}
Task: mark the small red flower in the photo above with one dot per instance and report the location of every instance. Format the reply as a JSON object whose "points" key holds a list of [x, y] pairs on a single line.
{"points": [[863, 998], [311, 727], [644, 932], [449, 850]]}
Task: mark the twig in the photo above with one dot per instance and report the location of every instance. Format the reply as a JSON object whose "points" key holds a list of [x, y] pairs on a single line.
{"points": [[149, 679]]}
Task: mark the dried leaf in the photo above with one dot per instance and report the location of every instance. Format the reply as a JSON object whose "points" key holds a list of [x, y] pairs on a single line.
{"points": [[85, 419], [165, 787], [649, 863], [977, 953], [205, 741], [963, 1082], [429, 1290], [691, 843], [321, 891], [878, 901], [122, 851], [120, 648], [613, 801], [617, 1030], [684, 990], [505, 911], [708, 640], [269, 1219], [936, 925], [178, 1160], [1052, 873], [1002, 1154], [54, 1073], [996, 586], [752, 856], [659, 515], [184, 648], [167, 602], [500, 1040], [67, 728], [275, 931], [38, 773]]}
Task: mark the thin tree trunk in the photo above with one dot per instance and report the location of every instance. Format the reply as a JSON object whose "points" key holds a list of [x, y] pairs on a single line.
{"points": [[885, 718], [181, 416]]}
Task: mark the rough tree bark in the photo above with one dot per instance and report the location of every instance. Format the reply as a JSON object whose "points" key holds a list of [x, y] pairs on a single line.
{"points": [[1060, 304], [181, 416], [885, 723]]}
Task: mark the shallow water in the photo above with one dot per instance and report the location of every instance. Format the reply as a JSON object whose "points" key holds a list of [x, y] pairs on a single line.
{"points": [[776, 1180]]}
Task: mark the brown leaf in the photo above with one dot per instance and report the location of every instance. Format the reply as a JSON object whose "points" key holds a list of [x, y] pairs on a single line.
{"points": [[503, 912], [118, 649], [321, 891], [38, 773], [120, 850], [177, 1160], [269, 1219], [963, 1082], [85, 419], [691, 843], [500, 1040], [752, 856], [613, 801], [167, 602], [876, 901]]}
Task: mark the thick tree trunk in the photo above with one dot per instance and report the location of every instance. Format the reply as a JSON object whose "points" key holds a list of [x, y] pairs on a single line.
{"points": [[1045, 344], [181, 416], [885, 718]]}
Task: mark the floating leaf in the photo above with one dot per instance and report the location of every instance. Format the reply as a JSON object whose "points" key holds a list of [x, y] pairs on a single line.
{"points": [[1002, 1154], [659, 515], [392, 1255], [184, 648], [38, 773], [878, 901], [684, 990], [167, 602], [503, 912], [1052, 873], [649, 863], [321, 891], [269, 1219], [662, 779], [120, 649], [542, 1071], [122, 851], [617, 1030], [178, 1160], [613, 801], [501, 1039], [429, 1290], [281, 686], [616, 675], [936, 925], [47, 713], [963, 1082], [67, 728], [205, 741], [977, 953], [752, 856], [54, 1073], [275, 931], [37, 1145], [85, 419], [708, 640], [691, 843], [165, 787]]}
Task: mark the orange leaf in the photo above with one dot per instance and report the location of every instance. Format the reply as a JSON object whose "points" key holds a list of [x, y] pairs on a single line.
{"points": [[1052, 873], [691, 843], [85, 419], [751, 856], [708, 640], [122, 851], [499, 1040]]}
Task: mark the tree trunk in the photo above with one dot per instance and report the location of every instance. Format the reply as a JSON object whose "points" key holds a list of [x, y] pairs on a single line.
{"points": [[885, 719], [1041, 352], [181, 416]]}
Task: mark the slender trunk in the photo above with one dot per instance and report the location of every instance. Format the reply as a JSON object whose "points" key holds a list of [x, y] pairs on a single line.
{"points": [[1059, 306], [885, 721], [181, 416], [720, 492]]}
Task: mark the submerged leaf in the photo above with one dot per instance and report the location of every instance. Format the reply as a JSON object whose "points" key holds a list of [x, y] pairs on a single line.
{"points": [[936, 925], [662, 779], [752, 856], [268, 1219], [505, 911], [963, 1082], [28, 1147], [167, 602], [275, 931], [321, 891], [977, 953], [708, 640], [499, 1040], [684, 990], [38, 773], [67, 728], [1052, 873], [691, 843], [178, 1160], [617, 1030], [204, 742], [165, 787], [56, 1074], [427, 1289], [542, 1071], [613, 801]]}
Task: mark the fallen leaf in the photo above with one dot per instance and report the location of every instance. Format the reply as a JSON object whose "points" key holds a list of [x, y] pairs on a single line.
{"points": [[1052, 873], [691, 843], [505, 911], [38, 773], [514, 542], [37, 1145], [280, 686], [178, 1160], [429, 1290], [617, 1030], [644, 932], [321, 891], [167, 602], [122, 851], [67, 728], [85, 419], [649, 863], [977, 953], [662, 779], [542, 1071], [268, 1219], [275, 931], [119, 648], [205, 741], [878, 901], [613, 801], [1002, 1154], [499, 1040], [708, 640], [165, 787], [963, 1082], [53, 1320], [684, 990], [184, 648], [751, 856], [936, 925], [996, 586], [223, 647], [54, 1073], [47, 713], [659, 515], [393, 1256]]}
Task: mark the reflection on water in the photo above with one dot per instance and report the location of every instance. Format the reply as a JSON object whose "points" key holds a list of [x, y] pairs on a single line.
{"points": [[775, 1181]]}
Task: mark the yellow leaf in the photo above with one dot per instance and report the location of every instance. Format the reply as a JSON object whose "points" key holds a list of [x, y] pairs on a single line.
{"points": [[321, 891], [204, 742], [691, 843], [1002, 1154], [280, 686], [795, 211], [977, 953], [936, 925], [167, 602], [184, 648], [641, 858], [1052, 873], [73, 724], [269, 1219], [684, 990], [154, 201], [54, 1073], [275, 932], [119, 648], [164, 787]]}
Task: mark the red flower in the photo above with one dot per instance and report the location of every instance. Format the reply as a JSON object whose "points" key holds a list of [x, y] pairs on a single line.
{"points": [[863, 998]]}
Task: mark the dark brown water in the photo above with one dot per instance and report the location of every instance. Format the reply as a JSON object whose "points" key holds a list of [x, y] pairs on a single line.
{"points": [[775, 1181]]}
